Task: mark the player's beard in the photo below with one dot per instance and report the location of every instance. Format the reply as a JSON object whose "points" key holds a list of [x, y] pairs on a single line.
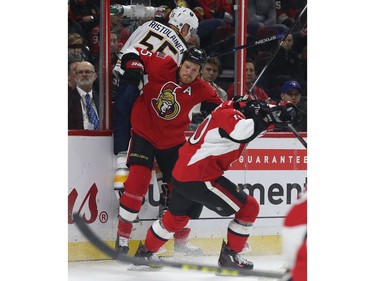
{"points": [[187, 79]]}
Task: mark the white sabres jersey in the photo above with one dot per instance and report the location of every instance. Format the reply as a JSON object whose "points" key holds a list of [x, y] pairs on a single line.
{"points": [[155, 37]]}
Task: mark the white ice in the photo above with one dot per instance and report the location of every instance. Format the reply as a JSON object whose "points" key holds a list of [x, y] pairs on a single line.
{"points": [[110, 270]]}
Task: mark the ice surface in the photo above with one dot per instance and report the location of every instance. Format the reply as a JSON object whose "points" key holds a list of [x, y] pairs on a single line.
{"points": [[110, 270]]}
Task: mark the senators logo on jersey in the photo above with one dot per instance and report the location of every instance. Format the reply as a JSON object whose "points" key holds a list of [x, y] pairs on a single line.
{"points": [[166, 105]]}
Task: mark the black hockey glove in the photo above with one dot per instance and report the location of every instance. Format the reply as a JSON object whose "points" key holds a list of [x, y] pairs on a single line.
{"points": [[252, 109], [281, 115], [133, 69]]}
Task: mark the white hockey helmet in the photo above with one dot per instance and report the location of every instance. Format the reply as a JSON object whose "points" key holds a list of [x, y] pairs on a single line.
{"points": [[180, 15]]}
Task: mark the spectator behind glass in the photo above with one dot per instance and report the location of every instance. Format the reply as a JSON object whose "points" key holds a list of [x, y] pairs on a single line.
{"points": [[216, 13], [288, 10], [193, 41], [71, 72], [210, 72], [300, 48], [74, 27], [85, 12], [286, 65], [75, 48], [219, 9], [291, 92], [208, 23], [262, 14], [115, 48], [85, 77], [257, 93], [117, 26]]}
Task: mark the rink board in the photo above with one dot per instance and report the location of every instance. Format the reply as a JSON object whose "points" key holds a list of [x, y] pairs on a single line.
{"points": [[273, 169]]}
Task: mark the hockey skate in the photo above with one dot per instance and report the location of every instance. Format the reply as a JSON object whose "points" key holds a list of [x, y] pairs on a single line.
{"points": [[182, 244], [143, 254], [231, 259], [121, 245]]}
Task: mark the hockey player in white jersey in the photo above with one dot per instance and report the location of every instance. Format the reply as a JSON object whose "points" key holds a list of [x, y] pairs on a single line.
{"points": [[170, 39], [154, 37], [157, 37]]}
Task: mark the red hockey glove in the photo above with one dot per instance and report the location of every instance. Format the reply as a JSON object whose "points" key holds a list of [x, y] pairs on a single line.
{"points": [[133, 69]]}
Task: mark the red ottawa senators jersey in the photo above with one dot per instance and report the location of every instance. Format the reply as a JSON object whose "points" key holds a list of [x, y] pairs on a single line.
{"points": [[161, 113], [295, 239], [206, 155]]}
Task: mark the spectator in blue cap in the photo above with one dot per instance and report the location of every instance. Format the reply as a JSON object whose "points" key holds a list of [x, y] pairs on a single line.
{"points": [[291, 92]]}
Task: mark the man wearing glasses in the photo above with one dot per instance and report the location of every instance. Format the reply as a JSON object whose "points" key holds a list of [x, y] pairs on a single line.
{"points": [[83, 101]]}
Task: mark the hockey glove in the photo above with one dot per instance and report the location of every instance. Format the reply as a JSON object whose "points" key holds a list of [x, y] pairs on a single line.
{"points": [[252, 109], [133, 69], [282, 115]]}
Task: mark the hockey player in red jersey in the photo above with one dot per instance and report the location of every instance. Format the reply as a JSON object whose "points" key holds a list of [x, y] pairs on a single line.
{"points": [[295, 239], [198, 180], [160, 117], [170, 39]]}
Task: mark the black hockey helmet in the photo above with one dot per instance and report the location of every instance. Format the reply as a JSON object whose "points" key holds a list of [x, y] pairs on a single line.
{"points": [[195, 55]]}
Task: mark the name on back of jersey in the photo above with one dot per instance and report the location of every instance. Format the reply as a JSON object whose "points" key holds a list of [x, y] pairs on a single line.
{"points": [[170, 33]]}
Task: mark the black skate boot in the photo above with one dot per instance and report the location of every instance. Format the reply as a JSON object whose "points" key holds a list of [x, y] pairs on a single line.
{"points": [[144, 257], [121, 245], [231, 259]]}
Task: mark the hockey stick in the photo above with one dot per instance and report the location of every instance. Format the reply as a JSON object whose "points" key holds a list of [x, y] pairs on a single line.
{"points": [[275, 52], [235, 49], [184, 266], [297, 135]]}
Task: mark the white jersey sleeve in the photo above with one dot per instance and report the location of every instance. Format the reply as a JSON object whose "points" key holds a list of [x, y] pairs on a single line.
{"points": [[155, 37]]}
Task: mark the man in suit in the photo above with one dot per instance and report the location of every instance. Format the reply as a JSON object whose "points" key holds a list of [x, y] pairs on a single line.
{"points": [[83, 101]]}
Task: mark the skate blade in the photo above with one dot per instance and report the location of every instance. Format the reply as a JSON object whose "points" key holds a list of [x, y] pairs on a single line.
{"points": [[134, 267], [229, 273], [188, 253]]}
